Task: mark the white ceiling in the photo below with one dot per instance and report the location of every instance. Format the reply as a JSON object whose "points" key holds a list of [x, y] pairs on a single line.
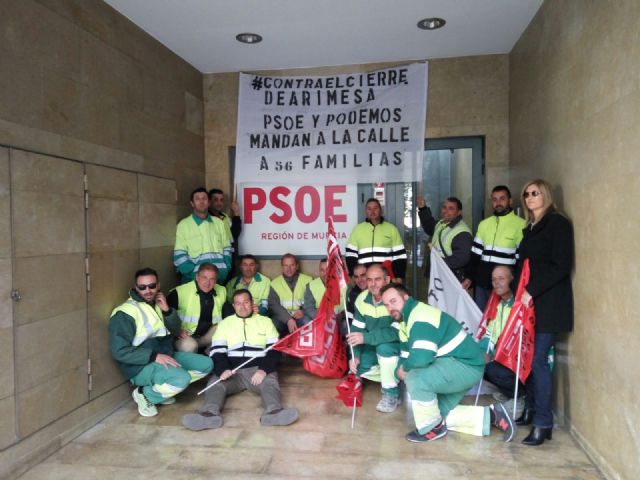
{"points": [[312, 33]]}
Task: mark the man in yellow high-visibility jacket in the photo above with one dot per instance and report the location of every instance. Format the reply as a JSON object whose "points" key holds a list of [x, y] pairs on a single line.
{"points": [[201, 305], [141, 336], [450, 236], [496, 243], [257, 283], [201, 238], [286, 296], [240, 337]]}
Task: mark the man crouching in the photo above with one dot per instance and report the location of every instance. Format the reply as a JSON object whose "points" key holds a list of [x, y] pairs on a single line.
{"points": [[237, 338]]}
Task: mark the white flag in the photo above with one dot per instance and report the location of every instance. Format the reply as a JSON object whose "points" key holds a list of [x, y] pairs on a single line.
{"points": [[446, 294]]}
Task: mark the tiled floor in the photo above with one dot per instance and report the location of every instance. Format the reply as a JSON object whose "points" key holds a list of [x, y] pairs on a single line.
{"points": [[320, 445]]}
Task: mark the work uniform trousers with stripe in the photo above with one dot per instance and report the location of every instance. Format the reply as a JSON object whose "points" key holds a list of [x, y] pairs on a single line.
{"points": [[269, 391], [438, 388], [160, 382], [385, 356]]}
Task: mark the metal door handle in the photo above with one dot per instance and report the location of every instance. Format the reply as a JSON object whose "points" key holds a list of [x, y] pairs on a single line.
{"points": [[15, 295]]}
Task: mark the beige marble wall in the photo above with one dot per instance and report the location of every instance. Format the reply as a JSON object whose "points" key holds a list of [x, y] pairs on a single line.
{"points": [[575, 120], [466, 97], [8, 426], [81, 82]]}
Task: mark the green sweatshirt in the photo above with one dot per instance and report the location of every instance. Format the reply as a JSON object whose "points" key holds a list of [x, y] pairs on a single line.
{"points": [[427, 333], [122, 330], [374, 322]]}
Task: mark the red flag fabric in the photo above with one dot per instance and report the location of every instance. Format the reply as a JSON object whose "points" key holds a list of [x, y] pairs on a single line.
{"points": [[388, 266], [304, 341], [489, 314], [348, 389], [507, 347], [319, 341], [332, 362]]}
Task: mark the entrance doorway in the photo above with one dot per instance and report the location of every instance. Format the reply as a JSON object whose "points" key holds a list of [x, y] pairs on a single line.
{"points": [[452, 167]]}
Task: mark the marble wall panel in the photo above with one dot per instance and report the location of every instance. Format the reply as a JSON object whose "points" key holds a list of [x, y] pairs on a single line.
{"points": [[50, 286], [113, 225], [46, 40], [21, 98], [50, 347], [59, 219], [111, 278], [163, 99], [32, 172], [48, 202], [7, 364], [194, 119], [157, 225], [575, 103], [7, 421], [156, 190], [111, 183], [51, 399], [5, 205], [75, 79], [161, 260], [111, 72]]}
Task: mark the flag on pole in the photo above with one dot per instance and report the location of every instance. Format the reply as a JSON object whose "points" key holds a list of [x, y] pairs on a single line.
{"points": [[446, 294], [350, 390], [520, 316], [319, 341], [488, 315]]}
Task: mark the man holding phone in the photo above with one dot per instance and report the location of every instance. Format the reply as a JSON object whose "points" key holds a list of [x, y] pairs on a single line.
{"points": [[142, 332]]}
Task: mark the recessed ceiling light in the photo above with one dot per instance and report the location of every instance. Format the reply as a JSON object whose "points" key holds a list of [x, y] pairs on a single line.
{"points": [[431, 23], [249, 38]]}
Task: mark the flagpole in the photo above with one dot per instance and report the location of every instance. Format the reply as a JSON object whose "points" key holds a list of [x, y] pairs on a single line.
{"points": [[237, 368], [515, 393], [346, 319], [482, 379]]}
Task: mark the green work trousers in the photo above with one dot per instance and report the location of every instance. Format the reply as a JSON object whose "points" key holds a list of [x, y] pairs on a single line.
{"points": [[160, 383]]}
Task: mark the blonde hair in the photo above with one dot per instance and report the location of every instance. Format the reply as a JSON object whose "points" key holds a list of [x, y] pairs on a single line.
{"points": [[547, 199]]}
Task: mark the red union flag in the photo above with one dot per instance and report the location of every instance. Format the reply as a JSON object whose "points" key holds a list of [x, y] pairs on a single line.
{"points": [[489, 314], [319, 341], [523, 317], [350, 389]]}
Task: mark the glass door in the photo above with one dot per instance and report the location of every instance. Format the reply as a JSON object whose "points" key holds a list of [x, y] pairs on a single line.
{"points": [[452, 167]]}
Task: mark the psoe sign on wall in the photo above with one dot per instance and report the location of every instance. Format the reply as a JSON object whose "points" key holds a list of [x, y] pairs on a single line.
{"points": [[280, 219]]}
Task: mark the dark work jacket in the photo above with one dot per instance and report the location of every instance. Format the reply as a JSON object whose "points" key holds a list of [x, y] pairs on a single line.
{"points": [[549, 248]]}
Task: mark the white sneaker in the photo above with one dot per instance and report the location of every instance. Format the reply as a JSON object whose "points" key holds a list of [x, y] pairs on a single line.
{"points": [[388, 404], [145, 407]]}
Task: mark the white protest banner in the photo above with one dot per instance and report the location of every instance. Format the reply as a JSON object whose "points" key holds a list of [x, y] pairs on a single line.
{"points": [[360, 128], [446, 294], [280, 219]]}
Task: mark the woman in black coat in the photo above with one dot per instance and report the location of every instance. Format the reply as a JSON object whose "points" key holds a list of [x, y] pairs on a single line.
{"points": [[548, 244]]}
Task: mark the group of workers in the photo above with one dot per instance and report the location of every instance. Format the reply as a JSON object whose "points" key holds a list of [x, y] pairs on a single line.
{"points": [[223, 324]]}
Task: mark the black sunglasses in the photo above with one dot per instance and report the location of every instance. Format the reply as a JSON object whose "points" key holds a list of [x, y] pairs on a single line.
{"points": [[533, 194], [150, 286]]}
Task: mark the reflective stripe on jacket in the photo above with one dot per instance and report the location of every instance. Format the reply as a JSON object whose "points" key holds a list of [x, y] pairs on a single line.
{"points": [[148, 319], [498, 238], [443, 236], [290, 301], [189, 305]]}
